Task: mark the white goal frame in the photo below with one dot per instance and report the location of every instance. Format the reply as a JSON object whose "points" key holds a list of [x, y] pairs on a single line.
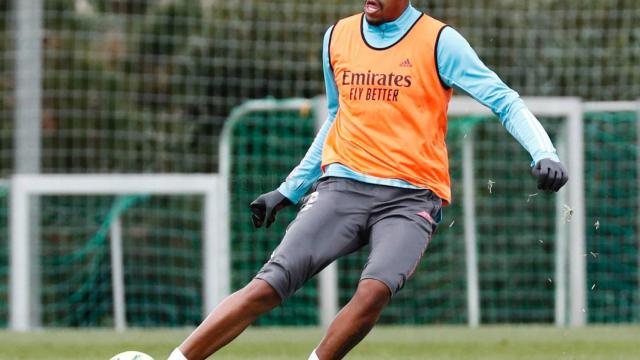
{"points": [[570, 264], [24, 300]]}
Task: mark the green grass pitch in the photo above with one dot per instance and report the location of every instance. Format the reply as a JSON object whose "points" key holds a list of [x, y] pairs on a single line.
{"points": [[436, 342]]}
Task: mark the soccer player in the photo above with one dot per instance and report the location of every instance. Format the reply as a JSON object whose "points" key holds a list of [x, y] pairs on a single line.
{"points": [[382, 166]]}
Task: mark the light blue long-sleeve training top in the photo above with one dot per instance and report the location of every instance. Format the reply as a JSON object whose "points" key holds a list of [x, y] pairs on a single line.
{"points": [[459, 67]]}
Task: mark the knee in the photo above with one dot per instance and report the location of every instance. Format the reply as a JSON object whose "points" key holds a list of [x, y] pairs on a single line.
{"points": [[259, 295], [372, 296]]}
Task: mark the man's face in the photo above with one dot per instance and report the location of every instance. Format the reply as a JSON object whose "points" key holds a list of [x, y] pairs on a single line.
{"points": [[381, 11]]}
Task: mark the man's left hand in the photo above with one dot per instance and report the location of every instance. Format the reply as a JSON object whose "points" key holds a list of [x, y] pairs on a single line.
{"points": [[552, 175]]}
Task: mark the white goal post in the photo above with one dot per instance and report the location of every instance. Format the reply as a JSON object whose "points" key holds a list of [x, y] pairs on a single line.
{"points": [[23, 301]]}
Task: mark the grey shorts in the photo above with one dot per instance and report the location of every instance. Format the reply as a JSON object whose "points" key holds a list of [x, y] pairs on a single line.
{"points": [[344, 215]]}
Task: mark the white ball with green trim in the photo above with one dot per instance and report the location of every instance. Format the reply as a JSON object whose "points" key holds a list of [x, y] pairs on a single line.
{"points": [[132, 355]]}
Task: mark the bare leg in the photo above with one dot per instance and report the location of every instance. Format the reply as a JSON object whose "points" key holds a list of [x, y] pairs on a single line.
{"points": [[355, 320], [229, 319]]}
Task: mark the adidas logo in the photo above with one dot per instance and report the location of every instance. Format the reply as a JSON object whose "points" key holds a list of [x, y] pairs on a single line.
{"points": [[405, 63]]}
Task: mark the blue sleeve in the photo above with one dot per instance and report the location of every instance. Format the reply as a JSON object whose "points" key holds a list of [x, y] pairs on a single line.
{"points": [[308, 171], [461, 68]]}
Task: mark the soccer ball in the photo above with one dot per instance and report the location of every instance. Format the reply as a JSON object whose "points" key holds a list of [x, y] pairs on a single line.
{"points": [[132, 355]]}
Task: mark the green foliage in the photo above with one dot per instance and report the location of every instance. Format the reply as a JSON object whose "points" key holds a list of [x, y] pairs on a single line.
{"points": [[140, 85]]}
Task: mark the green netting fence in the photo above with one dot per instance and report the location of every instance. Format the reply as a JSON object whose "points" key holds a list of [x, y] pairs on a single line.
{"points": [[76, 282], [265, 145], [515, 229], [162, 259], [613, 217]]}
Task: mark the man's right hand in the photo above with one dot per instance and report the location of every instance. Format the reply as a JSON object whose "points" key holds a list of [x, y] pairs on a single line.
{"points": [[266, 206]]}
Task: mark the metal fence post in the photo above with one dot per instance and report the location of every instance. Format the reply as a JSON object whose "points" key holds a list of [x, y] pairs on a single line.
{"points": [[561, 241], [577, 246], [27, 118], [117, 275], [20, 294], [470, 241]]}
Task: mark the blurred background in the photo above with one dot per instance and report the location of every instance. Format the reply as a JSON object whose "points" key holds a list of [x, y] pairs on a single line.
{"points": [[142, 86]]}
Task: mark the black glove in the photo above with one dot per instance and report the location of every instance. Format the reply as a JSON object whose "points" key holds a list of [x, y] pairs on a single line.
{"points": [[552, 175], [266, 206]]}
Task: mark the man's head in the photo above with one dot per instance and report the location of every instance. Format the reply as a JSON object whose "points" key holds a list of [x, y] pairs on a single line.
{"points": [[382, 11]]}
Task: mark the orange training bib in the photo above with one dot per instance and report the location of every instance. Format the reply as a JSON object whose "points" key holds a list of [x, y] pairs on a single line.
{"points": [[392, 119]]}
